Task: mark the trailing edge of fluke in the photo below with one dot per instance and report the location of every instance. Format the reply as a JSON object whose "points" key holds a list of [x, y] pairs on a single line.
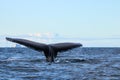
{"points": [[50, 50]]}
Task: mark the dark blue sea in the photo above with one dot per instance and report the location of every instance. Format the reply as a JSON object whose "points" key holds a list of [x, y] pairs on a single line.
{"points": [[85, 63]]}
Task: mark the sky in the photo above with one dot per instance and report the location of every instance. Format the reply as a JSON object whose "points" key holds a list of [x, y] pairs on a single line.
{"points": [[71, 18]]}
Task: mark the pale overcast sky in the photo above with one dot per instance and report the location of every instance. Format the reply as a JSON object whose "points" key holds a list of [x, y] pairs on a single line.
{"points": [[81, 18]]}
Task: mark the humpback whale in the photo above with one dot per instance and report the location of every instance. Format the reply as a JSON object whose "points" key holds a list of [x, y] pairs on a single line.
{"points": [[50, 50]]}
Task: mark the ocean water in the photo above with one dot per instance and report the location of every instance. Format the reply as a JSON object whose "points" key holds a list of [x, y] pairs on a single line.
{"points": [[77, 64]]}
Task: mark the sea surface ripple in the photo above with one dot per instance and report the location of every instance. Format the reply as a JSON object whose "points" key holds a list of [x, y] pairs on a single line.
{"points": [[85, 63]]}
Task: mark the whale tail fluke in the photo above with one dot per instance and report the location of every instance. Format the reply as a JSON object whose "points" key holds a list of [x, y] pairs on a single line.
{"points": [[50, 50], [31, 44], [9, 39], [65, 46]]}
